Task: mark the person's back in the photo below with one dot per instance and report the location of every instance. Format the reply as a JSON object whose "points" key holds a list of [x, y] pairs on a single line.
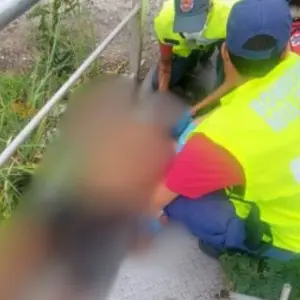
{"points": [[259, 123], [236, 182]]}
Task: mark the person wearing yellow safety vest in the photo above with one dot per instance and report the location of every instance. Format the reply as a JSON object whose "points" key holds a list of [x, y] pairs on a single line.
{"points": [[235, 182], [188, 31]]}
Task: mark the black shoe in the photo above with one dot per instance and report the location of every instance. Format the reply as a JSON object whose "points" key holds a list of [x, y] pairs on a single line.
{"points": [[210, 250]]}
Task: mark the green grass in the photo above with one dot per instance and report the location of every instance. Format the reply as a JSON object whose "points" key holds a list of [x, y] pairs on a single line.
{"points": [[63, 38], [261, 278]]}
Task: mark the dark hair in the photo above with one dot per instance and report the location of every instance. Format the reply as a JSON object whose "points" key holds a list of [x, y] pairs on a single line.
{"points": [[294, 3], [256, 68]]}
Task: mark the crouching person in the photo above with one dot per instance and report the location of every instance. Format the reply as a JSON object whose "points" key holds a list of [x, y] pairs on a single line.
{"points": [[235, 184], [188, 31]]}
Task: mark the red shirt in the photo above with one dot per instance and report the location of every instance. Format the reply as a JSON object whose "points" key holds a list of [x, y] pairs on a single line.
{"points": [[203, 167]]}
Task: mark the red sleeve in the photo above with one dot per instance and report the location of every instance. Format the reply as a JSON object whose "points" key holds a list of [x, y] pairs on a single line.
{"points": [[166, 51], [203, 167]]}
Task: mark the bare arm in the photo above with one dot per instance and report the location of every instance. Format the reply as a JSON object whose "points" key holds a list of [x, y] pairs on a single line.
{"points": [[164, 67]]}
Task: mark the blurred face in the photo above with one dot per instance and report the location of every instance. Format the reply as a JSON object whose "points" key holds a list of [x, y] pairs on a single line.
{"points": [[120, 154]]}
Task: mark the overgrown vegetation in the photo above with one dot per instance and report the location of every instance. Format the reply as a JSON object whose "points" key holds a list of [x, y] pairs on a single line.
{"points": [[63, 38], [261, 278]]}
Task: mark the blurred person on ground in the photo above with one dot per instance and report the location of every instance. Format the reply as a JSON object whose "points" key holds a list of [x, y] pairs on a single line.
{"points": [[87, 201], [235, 182]]}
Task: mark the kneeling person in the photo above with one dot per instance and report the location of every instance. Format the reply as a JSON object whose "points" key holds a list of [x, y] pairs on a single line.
{"points": [[235, 184], [188, 31]]}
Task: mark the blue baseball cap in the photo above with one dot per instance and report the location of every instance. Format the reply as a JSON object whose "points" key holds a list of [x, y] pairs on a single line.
{"points": [[270, 20], [190, 15]]}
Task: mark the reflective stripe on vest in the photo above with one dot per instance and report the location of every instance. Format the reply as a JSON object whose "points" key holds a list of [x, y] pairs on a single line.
{"points": [[259, 123], [215, 28]]}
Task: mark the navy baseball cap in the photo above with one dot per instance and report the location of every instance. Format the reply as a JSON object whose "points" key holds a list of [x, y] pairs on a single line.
{"points": [[256, 29], [190, 15]]}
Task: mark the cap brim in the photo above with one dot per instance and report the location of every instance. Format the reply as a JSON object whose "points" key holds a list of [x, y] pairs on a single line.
{"points": [[190, 24]]}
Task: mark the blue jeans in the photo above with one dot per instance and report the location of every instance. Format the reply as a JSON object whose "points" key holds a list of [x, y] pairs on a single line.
{"points": [[180, 66], [212, 219], [183, 65]]}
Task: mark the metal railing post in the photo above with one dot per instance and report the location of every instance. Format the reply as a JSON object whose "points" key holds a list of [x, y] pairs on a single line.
{"points": [[12, 9], [135, 28]]}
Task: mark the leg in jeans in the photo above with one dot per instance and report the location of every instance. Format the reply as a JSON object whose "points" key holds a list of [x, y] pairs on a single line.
{"points": [[180, 66], [212, 219]]}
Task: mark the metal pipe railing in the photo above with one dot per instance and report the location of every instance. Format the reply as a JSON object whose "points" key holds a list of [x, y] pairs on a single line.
{"points": [[12, 9], [34, 122]]}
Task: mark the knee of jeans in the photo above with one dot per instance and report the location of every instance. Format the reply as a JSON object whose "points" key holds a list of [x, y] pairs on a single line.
{"points": [[211, 222], [235, 235], [232, 237]]}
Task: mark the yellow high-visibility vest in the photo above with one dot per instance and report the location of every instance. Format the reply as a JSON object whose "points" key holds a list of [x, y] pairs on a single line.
{"points": [[215, 27], [259, 123]]}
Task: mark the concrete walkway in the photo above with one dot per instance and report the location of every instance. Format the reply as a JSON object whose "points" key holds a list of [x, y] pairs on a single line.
{"points": [[172, 269]]}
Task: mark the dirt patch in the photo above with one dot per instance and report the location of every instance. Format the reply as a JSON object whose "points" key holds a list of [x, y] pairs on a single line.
{"points": [[17, 53], [15, 50]]}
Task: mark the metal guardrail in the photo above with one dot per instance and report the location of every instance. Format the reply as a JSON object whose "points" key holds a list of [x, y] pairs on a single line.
{"points": [[134, 19], [12, 9]]}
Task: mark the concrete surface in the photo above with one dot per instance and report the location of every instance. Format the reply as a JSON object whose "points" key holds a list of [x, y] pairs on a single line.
{"points": [[172, 269]]}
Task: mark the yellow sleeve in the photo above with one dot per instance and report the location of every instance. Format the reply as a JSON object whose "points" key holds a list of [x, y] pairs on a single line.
{"points": [[163, 23]]}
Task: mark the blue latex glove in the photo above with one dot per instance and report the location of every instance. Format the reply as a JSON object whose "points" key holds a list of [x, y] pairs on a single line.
{"points": [[150, 226], [184, 136], [181, 124]]}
